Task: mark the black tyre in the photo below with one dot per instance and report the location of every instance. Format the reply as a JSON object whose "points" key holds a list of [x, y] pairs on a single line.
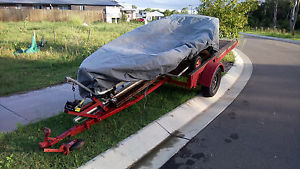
{"points": [[214, 86], [197, 61], [77, 145]]}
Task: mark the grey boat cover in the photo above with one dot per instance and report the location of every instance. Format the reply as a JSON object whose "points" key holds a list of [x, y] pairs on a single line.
{"points": [[148, 51]]}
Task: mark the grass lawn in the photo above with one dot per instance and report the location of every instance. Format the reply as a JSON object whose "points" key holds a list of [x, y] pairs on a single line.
{"points": [[54, 61], [278, 35]]}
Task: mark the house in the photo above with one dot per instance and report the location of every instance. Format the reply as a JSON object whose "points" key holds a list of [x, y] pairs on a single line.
{"points": [[150, 16], [129, 10], [110, 8], [113, 14], [155, 15]]}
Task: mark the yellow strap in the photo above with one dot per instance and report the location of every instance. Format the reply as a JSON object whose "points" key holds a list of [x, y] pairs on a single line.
{"points": [[82, 101], [78, 107]]}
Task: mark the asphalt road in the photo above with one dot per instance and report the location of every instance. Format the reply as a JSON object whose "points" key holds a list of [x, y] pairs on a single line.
{"points": [[261, 128]]}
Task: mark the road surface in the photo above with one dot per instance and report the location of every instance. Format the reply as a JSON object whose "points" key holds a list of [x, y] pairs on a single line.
{"points": [[261, 128]]}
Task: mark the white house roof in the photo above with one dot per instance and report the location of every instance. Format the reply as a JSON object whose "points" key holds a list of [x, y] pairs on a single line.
{"points": [[156, 13]]}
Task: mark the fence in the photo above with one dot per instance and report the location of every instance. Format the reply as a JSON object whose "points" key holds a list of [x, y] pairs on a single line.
{"points": [[36, 15]]}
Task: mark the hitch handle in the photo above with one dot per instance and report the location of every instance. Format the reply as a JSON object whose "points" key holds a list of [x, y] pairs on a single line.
{"points": [[70, 80]]}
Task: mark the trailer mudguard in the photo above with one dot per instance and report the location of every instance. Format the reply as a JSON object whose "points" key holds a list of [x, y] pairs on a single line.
{"points": [[208, 73]]}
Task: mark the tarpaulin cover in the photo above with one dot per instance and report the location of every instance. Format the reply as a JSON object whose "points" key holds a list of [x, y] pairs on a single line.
{"points": [[149, 51]]}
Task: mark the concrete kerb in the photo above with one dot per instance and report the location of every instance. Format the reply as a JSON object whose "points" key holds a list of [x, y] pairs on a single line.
{"points": [[162, 153], [129, 151], [271, 38]]}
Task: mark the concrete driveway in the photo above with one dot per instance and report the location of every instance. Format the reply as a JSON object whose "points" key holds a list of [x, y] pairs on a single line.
{"points": [[261, 128]]}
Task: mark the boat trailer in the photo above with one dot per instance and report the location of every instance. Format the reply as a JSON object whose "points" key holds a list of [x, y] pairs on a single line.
{"points": [[206, 72]]}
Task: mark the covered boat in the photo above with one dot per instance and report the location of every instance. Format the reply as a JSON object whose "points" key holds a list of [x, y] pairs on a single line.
{"points": [[148, 51]]}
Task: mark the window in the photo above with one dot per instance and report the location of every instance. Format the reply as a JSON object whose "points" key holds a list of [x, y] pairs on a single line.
{"points": [[19, 6], [38, 7], [64, 7], [82, 7]]}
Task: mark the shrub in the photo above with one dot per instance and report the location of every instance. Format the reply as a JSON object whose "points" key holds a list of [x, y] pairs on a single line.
{"points": [[233, 14], [123, 18], [283, 24]]}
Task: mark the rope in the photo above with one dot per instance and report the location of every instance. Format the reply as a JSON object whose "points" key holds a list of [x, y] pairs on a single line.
{"points": [[145, 96], [73, 89]]}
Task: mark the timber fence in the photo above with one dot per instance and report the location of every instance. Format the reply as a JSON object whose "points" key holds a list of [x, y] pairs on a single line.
{"points": [[36, 15]]}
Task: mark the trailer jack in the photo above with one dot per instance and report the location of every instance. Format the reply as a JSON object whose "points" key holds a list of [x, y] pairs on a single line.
{"points": [[65, 148]]}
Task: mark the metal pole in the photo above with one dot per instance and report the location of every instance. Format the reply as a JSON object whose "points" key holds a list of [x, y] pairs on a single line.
{"points": [[191, 6]]}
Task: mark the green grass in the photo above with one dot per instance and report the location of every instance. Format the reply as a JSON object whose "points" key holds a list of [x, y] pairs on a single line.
{"points": [[22, 144], [229, 58], [277, 34], [57, 59]]}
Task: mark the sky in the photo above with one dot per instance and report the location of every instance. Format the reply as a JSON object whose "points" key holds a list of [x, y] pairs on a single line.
{"points": [[163, 4]]}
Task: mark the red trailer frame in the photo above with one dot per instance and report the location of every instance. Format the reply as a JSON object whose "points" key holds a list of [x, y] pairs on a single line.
{"points": [[202, 75]]}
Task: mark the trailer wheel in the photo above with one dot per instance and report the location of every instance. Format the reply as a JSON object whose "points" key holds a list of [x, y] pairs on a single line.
{"points": [[214, 86], [196, 62]]}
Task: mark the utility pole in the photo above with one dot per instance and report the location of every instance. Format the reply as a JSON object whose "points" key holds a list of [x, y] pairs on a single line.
{"points": [[191, 6]]}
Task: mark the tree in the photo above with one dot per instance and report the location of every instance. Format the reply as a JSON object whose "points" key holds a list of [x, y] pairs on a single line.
{"points": [[263, 16], [175, 12], [134, 6], [167, 12], [185, 10], [233, 14], [148, 10], [294, 13], [275, 13]]}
